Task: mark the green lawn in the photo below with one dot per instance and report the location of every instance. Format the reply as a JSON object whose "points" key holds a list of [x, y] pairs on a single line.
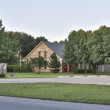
{"points": [[47, 75], [57, 91], [41, 75]]}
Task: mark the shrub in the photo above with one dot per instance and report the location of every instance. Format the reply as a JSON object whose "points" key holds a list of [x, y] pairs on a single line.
{"points": [[79, 71], [83, 70], [9, 68], [55, 70], [75, 70], [16, 68], [2, 75], [28, 67], [90, 71]]}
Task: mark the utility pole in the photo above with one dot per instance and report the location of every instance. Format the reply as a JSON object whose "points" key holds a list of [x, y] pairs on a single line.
{"points": [[20, 59], [20, 62]]}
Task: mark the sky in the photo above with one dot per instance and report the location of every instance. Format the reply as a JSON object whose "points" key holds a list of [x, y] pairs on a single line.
{"points": [[54, 19]]}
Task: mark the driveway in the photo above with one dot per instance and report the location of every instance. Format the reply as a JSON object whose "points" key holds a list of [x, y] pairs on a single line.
{"points": [[12, 103], [101, 80]]}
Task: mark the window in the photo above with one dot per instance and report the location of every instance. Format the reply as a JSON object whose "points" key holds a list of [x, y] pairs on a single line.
{"points": [[45, 54], [45, 66], [39, 53]]}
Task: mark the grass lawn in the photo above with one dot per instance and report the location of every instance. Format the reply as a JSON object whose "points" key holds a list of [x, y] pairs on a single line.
{"points": [[58, 91], [41, 75], [47, 75]]}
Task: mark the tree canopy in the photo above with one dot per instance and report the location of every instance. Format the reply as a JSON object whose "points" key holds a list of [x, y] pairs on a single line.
{"points": [[88, 47], [8, 47]]}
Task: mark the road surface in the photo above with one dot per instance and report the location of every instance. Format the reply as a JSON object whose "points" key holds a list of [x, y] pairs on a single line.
{"points": [[12, 103], [101, 80]]}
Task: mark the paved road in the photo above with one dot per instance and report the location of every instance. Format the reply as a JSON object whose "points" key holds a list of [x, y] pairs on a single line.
{"points": [[102, 80], [12, 103]]}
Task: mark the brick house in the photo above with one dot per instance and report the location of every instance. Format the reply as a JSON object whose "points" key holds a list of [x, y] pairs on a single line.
{"points": [[45, 49]]}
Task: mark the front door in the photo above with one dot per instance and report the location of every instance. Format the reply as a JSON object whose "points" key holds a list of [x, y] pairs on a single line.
{"points": [[64, 67]]}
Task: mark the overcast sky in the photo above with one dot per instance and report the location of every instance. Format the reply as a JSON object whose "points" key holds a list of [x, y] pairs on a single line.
{"points": [[54, 19]]}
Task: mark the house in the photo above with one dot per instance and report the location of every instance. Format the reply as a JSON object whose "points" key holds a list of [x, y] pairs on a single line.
{"points": [[45, 49]]}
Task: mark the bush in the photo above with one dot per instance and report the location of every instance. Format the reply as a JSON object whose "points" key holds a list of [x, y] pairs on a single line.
{"points": [[90, 71], [2, 75], [9, 68], [75, 70], [79, 71], [16, 68], [83, 70], [28, 67], [55, 70]]}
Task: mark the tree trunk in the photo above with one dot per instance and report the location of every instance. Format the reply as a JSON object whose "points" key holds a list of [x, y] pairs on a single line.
{"points": [[85, 68], [33, 68], [39, 71], [89, 66], [81, 66], [94, 68]]}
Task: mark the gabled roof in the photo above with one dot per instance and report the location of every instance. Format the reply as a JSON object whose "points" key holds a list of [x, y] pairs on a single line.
{"points": [[56, 47]]}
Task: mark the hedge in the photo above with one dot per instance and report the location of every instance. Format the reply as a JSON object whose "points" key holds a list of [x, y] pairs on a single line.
{"points": [[55, 70], [16, 68], [2, 75], [83, 71]]}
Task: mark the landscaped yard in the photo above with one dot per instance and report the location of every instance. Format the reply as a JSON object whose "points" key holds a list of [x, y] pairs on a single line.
{"points": [[55, 91], [47, 75]]}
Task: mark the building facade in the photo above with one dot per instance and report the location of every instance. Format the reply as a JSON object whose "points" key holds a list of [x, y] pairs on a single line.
{"points": [[45, 49]]}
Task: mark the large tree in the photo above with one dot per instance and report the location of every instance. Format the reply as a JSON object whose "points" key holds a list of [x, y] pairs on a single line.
{"points": [[106, 47], [8, 47], [88, 47], [95, 50], [26, 42], [40, 39], [69, 55], [75, 47]]}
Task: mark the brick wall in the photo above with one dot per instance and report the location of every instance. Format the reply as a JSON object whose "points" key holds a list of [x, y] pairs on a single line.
{"points": [[35, 53]]}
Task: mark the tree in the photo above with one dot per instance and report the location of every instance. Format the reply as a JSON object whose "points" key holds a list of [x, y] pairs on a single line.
{"points": [[61, 42], [55, 42], [106, 47], [54, 63], [95, 50], [69, 55], [74, 47], [79, 45], [8, 47], [40, 39], [27, 43], [38, 62], [69, 48]]}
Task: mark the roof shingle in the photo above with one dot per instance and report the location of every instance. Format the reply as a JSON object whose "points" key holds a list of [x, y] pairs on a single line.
{"points": [[56, 47]]}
